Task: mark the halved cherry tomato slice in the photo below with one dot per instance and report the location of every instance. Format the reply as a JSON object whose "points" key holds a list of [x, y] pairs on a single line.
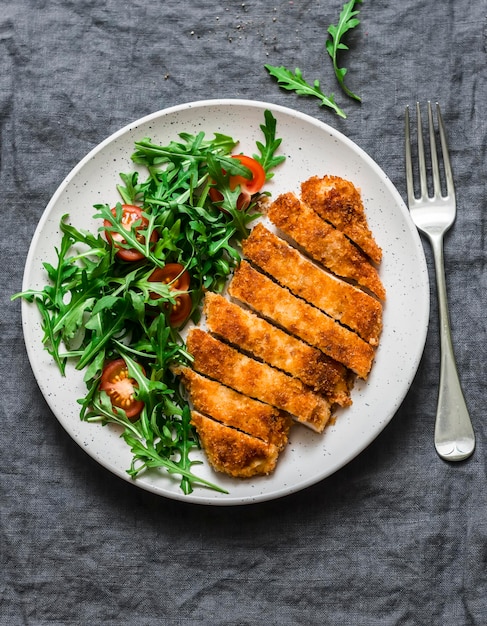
{"points": [[248, 186], [130, 215], [179, 279], [173, 273], [254, 184], [181, 309], [117, 383]]}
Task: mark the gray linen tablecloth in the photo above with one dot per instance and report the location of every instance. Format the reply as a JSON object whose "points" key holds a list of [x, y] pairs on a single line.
{"points": [[397, 536]]}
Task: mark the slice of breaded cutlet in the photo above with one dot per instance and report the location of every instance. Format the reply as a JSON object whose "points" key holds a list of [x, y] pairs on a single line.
{"points": [[233, 452], [338, 201]]}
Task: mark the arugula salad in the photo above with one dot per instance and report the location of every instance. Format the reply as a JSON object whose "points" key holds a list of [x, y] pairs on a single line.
{"points": [[117, 301]]}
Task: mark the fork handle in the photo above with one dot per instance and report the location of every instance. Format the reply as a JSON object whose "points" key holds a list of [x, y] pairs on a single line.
{"points": [[454, 435]]}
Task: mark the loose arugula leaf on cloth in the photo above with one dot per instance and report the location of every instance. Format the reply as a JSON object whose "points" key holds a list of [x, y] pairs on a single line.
{"points": [[98, 308], [347, 21], [294, 81]]}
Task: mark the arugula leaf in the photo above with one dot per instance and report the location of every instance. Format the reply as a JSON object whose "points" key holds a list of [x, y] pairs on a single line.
{"points": [[267, 157], [51, 340], [295, 82], [346, 22], [146, 456], [132, 191]]}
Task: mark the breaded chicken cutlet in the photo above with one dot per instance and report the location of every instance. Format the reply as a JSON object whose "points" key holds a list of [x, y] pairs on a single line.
{"points": [[323, 242], [258, 380], [301, 319], [338, 201], [260, 338], [345, 303]]}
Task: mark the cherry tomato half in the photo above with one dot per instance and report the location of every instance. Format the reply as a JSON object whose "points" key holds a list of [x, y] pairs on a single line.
{"points": [[181, 309], [117, 383], [130, 215], [179, 279], [253, 184], [248, 186], [173, 273]]}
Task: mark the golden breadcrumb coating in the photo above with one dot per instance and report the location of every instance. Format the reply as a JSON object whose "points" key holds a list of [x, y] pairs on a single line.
{"points": [[338, 201], [260, 338], [233, 452], [341, 300], [233, 409], [258, 380], [324, 242], [301, 319]]}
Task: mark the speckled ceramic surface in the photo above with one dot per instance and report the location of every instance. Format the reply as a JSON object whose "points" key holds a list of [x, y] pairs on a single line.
{"points": [[311, 148]]}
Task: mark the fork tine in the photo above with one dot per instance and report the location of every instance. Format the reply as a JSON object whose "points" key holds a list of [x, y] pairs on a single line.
{"points": [[422, 164], [450, 187], [409, 163], [434, 155]]}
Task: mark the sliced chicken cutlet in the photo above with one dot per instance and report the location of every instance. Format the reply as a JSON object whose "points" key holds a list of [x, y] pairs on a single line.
{"points": [[258, 337], [233, 452], [339, 299], [258, 380], [233, 409], [338, 201], [324, 243], [301, 319]]}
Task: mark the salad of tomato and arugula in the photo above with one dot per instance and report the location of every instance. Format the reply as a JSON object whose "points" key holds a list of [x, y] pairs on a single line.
{"points": [[117, 300], [247, 186], [128, 215]]}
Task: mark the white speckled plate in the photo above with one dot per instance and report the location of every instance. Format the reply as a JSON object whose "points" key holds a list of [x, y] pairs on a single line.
{"points": [[311, 147]]}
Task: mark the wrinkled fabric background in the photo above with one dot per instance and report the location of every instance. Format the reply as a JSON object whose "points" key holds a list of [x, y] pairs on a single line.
{"points": [[397, 536]]}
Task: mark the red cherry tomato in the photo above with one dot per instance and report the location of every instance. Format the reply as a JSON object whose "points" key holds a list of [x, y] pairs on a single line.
{"points": [[253, 184], [248, 186], [130, 215], [173, 273], [179, 279], [117, 383], [181, 309]]}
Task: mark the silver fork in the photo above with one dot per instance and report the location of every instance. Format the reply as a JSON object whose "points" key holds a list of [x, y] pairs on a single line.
{"points": [[433, 216]]}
